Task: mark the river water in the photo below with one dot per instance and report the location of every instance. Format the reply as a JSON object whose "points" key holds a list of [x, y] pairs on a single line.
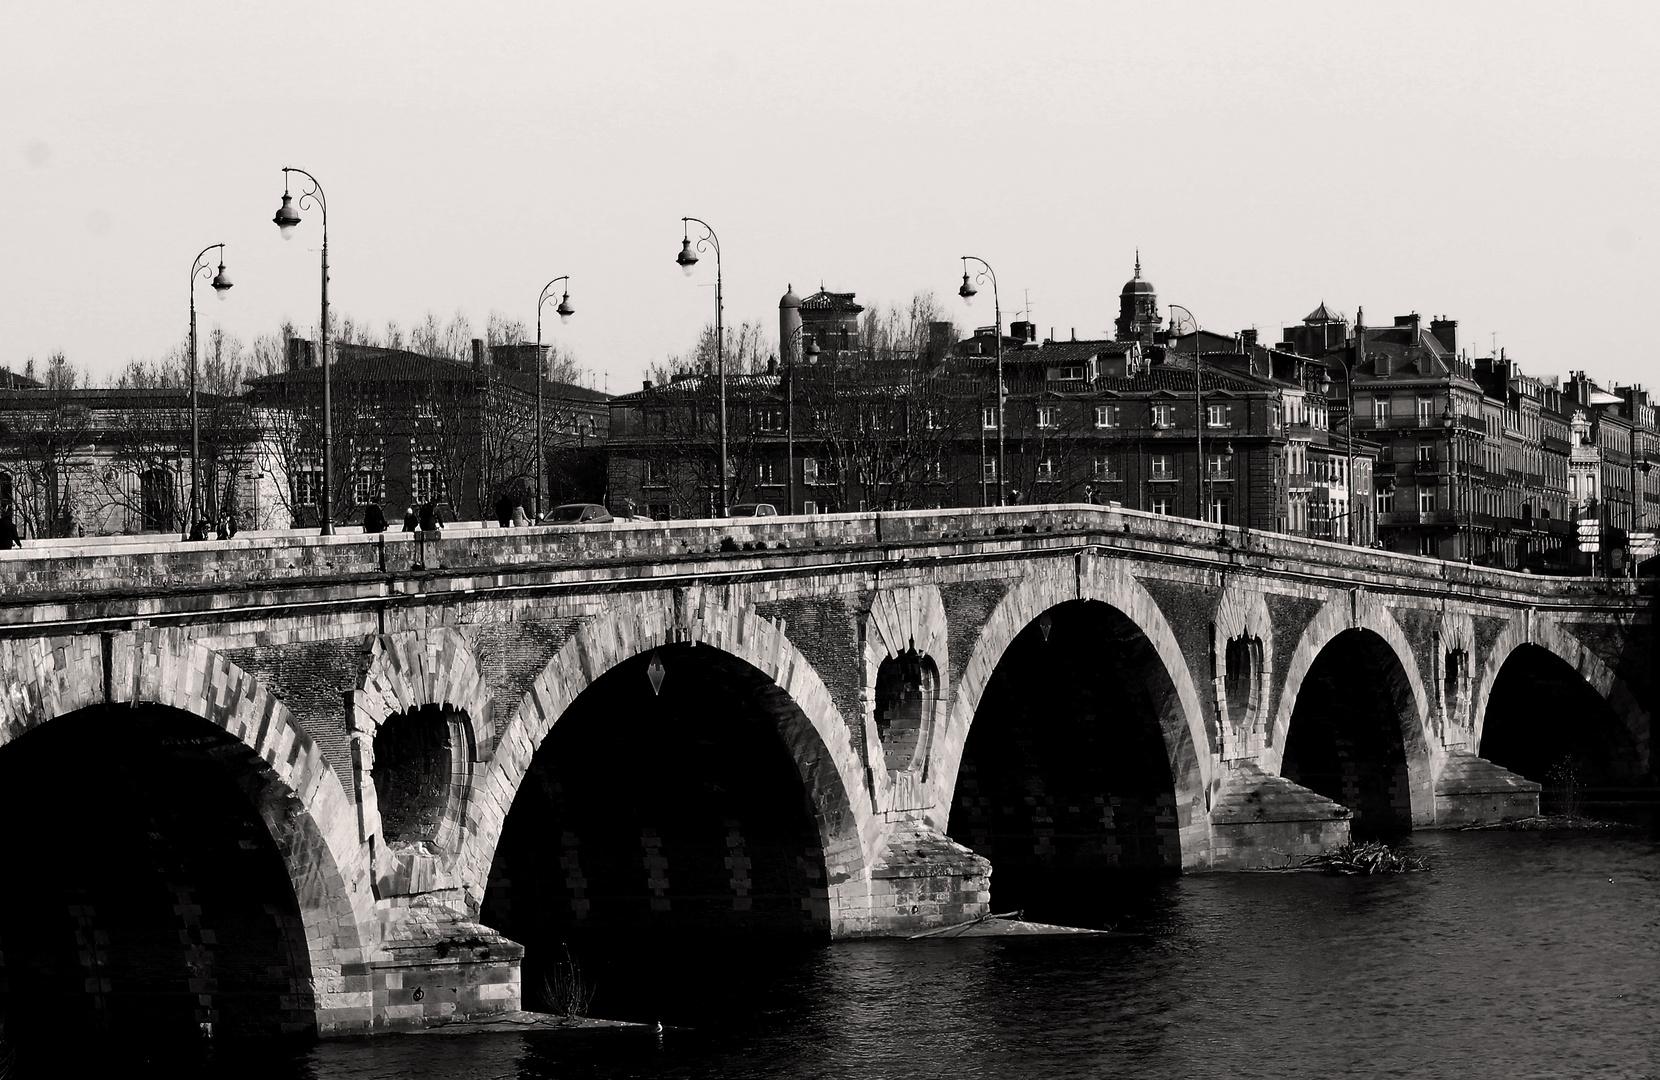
{"points": [[1520, 954]]}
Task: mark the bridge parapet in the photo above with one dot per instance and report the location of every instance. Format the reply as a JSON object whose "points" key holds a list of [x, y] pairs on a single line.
{"points": [[64, 569]]}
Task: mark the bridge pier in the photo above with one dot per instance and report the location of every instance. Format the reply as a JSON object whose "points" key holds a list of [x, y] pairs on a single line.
{"points": [[1264, 820], [1471, 790], [924, 879]]}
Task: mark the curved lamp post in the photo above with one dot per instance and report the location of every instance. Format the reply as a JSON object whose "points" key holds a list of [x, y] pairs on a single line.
{"points": [[967, 292], [688, 260], [287, 219], [565, 311], [811, 352], [221, 285], [1198, 403]]}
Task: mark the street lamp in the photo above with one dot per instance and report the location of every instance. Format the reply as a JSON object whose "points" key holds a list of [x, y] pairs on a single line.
{"points": [[1176, 322], [1348, 432], [811, 352], [287, 219], [967, 292], [688, 260], [221, 285], [565, 311]]}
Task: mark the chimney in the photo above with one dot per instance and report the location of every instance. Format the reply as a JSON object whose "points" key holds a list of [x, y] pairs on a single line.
{"points": [[772, 365], [1250, 337], [647, 385], [300, 354], [1446, 332], [479, 360]]}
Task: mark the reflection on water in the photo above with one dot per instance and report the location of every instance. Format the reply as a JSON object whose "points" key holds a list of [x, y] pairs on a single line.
{"points": [[1519, 955]]}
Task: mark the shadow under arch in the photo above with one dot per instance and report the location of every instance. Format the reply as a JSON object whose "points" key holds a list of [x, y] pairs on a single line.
{"points": [[710, 622], [1397, 678], [1188, 736], [1543, 720], [159, 902], [1350, 732], [1546, 637]]}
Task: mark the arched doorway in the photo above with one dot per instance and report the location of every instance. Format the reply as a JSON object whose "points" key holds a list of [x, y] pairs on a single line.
{"points": [[146, 897], [1345, 740], [1065, 778], [1546, 723]]}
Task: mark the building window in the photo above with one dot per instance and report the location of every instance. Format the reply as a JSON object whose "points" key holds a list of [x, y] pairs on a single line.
{"points": [[988, 418], [1216, 415], [1426, 411], [988, 469], [1048, 416], [308, 484], [1380, 412], [1426, 500], [157, 499], [770, 419], [934, 472], [1217, 512], [1220, 466], [653, 473], [1161, 467], [1071, 373], [765, 475], [809, 470], [1164, 416], [1106, 416], [933, 419], [1103, 469], [368, 486], [1161, 504], [425, 479], [1046, 470], [1426, 546], [1381, 501], [1426, 453]]}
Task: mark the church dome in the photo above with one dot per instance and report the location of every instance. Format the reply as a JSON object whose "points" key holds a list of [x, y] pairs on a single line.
{"points": [[789, 299], [1136, 286]]}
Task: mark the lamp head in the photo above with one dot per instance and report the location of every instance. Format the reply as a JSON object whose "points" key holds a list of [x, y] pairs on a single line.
{"points": [[287, 217], [221, 282], [687, 257], [968, 290], [812, 351], [565, 309]]}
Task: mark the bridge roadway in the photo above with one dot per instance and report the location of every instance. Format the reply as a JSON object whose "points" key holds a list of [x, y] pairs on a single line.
{"points": [[449, 748]]}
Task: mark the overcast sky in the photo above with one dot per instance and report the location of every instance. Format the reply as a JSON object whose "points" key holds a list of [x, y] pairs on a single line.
{"points": [[1492, 162]]}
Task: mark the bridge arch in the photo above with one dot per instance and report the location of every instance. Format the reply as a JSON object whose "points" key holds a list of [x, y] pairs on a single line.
{"points": [[629, 630], [1382, 637], [1529, 629], [289, 785], [1186, 734]]}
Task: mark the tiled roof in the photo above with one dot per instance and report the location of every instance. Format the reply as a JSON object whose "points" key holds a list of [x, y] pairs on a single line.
{"points": [[392, 365], [824, 300], [1323, 314]]}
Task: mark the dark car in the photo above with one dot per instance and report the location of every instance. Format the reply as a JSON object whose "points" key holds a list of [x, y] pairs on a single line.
{"points": [[752, 510], [579, 514]]}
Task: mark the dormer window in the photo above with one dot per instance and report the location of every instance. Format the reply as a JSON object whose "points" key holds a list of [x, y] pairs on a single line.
{"points": [[1069, 373]]}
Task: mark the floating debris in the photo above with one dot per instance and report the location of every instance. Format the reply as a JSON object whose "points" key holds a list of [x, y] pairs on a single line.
{"points": [[1367, 857]]}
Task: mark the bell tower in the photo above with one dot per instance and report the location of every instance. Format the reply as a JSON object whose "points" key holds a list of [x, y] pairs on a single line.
{"points": [[1138, 309]]}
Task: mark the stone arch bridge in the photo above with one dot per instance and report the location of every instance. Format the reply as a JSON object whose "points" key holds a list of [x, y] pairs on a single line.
{"points": [[362, 782]]}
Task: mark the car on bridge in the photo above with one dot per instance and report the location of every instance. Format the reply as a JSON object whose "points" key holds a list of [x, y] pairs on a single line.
{"points": [[579, 514], [752, 510]]}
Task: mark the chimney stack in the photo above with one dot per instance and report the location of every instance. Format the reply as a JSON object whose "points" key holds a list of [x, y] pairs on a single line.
{"points": [[478, 354]]}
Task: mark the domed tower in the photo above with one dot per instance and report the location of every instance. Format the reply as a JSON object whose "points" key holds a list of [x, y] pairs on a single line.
{"points": [[789, 325], [1138, 309]]}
